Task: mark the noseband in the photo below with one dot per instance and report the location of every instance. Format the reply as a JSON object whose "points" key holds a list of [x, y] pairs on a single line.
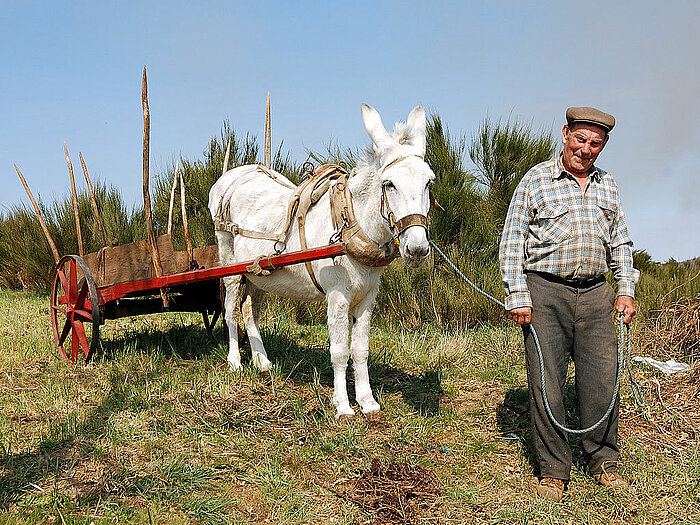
{"points": [[397, 227]]}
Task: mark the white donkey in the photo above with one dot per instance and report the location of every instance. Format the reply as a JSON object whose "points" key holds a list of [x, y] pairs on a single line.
{"points": [[390, 181]]}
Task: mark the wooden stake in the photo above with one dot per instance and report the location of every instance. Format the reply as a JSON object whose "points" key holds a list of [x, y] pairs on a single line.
{"points": [[146, 190], [172, 200], [93, 202], [228, 150], [185, 225], [56, 257], [76, 214], [268, 138]]}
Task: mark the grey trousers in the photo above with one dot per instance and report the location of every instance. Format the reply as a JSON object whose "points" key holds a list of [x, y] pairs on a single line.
{"points": [[572, 321]]}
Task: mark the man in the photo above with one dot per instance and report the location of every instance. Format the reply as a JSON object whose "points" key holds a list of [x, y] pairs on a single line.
{"points": [[564, 229]]}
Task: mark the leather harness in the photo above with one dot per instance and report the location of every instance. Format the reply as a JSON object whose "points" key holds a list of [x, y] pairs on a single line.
{"points": [[357, 244]]}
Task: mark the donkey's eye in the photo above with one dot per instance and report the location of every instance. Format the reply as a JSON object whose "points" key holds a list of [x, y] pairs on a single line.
{"points": [[388, 185]]}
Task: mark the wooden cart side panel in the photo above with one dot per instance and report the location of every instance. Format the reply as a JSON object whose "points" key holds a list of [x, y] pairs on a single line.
{"points": [[132, 262], [119, 264], [170, 260], [91, 260], [206, 256]]}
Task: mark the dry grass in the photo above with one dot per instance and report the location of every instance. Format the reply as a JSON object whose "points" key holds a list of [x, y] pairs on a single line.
{"points": [[161, 432], [396, 493], [675, 330]]}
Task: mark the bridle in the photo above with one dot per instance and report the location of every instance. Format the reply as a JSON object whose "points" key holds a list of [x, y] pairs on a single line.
{"points": [[397, 227]]}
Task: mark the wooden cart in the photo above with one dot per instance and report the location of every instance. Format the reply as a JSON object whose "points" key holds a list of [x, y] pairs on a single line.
{"points": [[88, 291]]}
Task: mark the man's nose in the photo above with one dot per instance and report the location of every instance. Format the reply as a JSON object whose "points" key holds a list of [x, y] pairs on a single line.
{"points": [[586, 149]]}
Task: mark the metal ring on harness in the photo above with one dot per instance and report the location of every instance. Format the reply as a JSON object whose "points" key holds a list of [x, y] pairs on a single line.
{"points": [[277, 249], [308, 169]]}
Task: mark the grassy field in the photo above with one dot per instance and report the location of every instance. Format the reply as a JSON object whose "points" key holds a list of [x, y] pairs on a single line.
{"points": [[158, 430]]}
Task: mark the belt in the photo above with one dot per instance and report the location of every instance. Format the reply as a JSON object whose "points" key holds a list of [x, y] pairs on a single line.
{"points": [[575, 283]]}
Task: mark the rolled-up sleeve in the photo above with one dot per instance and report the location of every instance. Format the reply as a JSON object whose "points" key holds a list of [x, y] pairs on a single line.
{"points": [[512, 248]]}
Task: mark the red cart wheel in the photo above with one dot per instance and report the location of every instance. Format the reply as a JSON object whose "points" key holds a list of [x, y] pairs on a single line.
{"points": [[75, 309]]}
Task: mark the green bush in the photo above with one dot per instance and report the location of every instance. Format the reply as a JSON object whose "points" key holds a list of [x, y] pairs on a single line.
{"points": [[199, 176], [26, 260], [468, 230]]}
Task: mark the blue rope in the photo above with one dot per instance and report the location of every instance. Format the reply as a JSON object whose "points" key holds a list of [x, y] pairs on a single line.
{"points": [[625, 343]]}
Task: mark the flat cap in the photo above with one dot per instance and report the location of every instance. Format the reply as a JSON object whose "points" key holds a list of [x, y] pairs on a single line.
{"points": [[590, 116]]}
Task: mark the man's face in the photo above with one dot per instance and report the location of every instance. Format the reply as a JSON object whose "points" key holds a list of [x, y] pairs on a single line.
{"points": [[582, 145]]}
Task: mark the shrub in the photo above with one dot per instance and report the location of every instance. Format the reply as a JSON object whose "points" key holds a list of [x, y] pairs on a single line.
{"points": [[26, 260]]}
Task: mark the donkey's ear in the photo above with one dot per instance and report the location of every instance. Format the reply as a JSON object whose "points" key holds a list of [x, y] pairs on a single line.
{"points": [[375, 129], [416, 122]]}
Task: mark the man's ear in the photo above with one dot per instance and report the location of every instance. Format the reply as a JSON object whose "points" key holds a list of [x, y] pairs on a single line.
{"points": [[605, 140], [565, 133]]}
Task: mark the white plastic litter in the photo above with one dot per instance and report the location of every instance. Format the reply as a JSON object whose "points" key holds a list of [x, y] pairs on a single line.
{"points": [[669, 367]]}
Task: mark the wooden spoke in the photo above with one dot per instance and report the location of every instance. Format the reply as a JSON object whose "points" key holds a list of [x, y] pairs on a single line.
{"points": [[80, 299], [82, 338], [64, 280], [82, 315], [65, 332], [74, 346], [72, 291], [59, 309]]}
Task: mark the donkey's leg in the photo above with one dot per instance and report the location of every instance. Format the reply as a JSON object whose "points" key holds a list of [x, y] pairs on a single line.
{"points": [[338, 303], [359, 348], [251, 316], [232, 298], [232, 312]]}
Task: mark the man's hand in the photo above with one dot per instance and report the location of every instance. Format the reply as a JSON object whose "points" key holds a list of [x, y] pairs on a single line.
{"points": [[522, 315], [625, 305]]}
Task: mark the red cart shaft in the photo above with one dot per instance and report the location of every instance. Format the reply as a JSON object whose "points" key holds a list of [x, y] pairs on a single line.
{"points": [[117, 291]]}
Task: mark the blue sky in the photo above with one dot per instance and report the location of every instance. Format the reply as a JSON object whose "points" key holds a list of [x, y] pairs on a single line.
{"points": [[71, 71]]}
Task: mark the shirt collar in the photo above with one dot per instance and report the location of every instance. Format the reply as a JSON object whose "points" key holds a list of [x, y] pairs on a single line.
{"points": [[559, 171]]}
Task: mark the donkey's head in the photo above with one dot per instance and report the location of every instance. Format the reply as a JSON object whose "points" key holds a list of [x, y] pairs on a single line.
{"points": [[405, 180]]}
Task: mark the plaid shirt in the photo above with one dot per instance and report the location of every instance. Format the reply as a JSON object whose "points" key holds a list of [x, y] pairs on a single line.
{"points": [[554, 227]]}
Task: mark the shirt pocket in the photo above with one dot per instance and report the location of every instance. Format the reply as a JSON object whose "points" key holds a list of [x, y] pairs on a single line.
{"points": [[555, 222], [605, 219]]}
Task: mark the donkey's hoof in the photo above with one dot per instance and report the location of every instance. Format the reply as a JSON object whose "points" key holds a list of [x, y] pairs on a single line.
{"points": [[344, 412], [369, 405], [235, 367], [376, 418], [261, 362]]}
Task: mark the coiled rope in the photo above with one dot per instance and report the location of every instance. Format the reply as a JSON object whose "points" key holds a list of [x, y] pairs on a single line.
{"points": [[624, 346]]}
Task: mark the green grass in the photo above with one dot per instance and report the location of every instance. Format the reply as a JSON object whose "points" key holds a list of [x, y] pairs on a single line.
{"points": [[160, 431]]}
